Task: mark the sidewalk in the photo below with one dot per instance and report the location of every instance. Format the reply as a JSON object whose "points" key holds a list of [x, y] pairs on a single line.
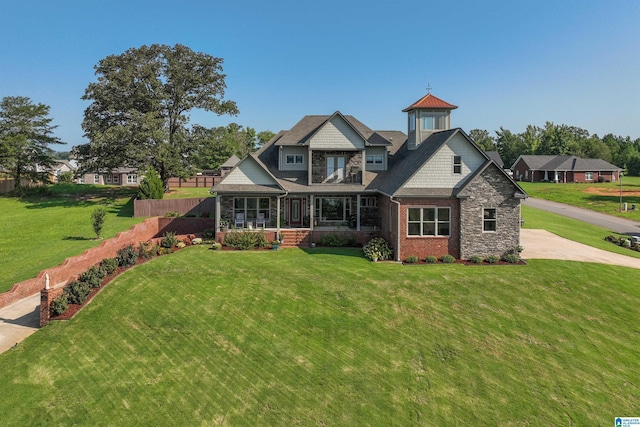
{"points": [[18, 321]]}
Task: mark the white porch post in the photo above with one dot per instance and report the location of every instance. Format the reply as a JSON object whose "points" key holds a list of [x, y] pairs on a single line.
{"points": [[278, 198], [312, 210], [218, 210], [358, 212]]}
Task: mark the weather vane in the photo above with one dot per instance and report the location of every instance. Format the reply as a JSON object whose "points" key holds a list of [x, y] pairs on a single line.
{"points": [[428, 88]]}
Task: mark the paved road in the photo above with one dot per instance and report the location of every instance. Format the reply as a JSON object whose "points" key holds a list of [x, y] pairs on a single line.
{"points": [[615, 224]]}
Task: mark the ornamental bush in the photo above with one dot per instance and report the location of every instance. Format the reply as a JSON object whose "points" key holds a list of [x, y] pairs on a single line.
{"points": [[492, 259], [109, 265], [169, 240], [511, 258], [431, 259], [216, 246], [475, 259], [151, 186], [377, 249], [147, 250], [447, 259], [76, 292], [58, 305], [127, 256], [412, 259], [244, 240], [93, 276]]}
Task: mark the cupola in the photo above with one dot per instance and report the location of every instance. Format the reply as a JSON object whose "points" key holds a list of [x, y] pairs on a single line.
{"points": [[427, 115]]}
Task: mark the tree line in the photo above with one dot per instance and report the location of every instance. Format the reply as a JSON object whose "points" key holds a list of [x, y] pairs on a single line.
{"points": [[553, 139]]}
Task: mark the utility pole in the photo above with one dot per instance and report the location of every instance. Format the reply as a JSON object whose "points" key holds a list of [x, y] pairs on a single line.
{"points": [[620, 179]]}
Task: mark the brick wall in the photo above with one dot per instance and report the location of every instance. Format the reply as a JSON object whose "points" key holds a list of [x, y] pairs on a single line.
{"points": [[423, 246], [74, 266]]}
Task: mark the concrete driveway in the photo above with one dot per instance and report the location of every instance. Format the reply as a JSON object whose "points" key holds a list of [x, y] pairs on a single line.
{"points": [[542, 244]]}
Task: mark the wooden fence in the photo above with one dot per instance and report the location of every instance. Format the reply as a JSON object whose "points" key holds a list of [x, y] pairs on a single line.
{"points": [[195, 206], [196, 181]]}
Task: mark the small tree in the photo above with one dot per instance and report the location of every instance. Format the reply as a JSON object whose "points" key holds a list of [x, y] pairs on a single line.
{"points": [[151, 186], [65, 177], [97, 220]]}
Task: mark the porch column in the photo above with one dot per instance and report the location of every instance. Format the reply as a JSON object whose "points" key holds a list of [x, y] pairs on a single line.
{"points": [[358, 212], [217, 213], [278, 198], [312, 210]]}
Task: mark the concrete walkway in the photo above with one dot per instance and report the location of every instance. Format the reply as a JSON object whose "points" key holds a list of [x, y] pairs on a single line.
{"points": [[541, 244], [18, 321]]}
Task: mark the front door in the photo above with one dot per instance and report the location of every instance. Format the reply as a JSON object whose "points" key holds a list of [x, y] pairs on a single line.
{"points": [[295, 212]]}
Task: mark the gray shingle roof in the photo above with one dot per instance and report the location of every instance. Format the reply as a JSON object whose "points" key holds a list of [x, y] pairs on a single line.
{"points": [[495, 156], [566, 163]]}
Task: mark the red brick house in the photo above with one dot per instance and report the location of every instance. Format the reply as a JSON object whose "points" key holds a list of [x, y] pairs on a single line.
{"points": [[548, 168], [431, 191]]}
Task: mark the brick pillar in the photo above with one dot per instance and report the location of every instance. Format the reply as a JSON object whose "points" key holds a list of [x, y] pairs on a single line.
{"points": [[45, 302]]}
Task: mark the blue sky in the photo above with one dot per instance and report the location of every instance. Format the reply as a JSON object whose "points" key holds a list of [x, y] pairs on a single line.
{"points": [[504, 63]]}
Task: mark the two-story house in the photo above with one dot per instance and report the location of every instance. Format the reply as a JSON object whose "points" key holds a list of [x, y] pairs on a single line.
{"points": [[431, 191]]}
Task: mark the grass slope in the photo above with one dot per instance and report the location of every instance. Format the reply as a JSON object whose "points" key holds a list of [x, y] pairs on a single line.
{"points": [[41, 232], [250, 338]]}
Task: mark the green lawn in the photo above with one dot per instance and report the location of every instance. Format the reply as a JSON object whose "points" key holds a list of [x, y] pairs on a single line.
{"points": [[210, 338], [606, 199], [41, 232]]}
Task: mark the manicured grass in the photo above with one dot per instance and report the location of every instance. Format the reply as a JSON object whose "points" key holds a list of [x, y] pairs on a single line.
{"points": [[602, 197], [573, 229], [186, 192], [40, 232], [324, 337]]}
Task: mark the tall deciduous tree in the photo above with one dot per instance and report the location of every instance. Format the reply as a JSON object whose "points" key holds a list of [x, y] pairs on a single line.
{"points": [[482, 138], [25, 134], [139, 108]]}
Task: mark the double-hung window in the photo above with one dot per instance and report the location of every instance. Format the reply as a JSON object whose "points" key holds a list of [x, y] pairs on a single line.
{"points": [[588, 176], [132, 179], [457, 165], [374, 159], [489, 219], [96, 179], [430, 221], [295, 159]]}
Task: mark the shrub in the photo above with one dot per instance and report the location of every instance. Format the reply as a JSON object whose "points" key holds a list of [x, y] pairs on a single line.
{"points": [[448, 259], [65, 177], [147, 250], [377, 249], [412, 259], [164, 251], [173, 214], [196, 241], [181, 245], [127, 256], [76, 292], [625, 243], [169, 240], [109, 265], [93, 276], [244, 240], [58, 305], [151, 186], [475, 259], [209, 234], [492, 259], [337, 240], [511, 258], [216, 246], [612, 239], [431, 259]]}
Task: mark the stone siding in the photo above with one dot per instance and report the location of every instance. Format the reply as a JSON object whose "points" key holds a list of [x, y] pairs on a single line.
{"points": [[319, 164], [491, 189]]}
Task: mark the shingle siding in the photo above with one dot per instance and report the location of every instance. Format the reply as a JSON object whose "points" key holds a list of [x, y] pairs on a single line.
{"points": [[249, 172], [438, 171], [337, 135]]}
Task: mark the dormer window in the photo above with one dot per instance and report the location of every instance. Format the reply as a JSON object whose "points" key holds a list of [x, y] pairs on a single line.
{"points": [[297, 159]]}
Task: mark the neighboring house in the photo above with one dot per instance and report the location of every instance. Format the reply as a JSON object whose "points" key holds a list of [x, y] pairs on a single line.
{"points": [[61, 166], [564, 169], [433, 192], [229, 164], [119, 176]]}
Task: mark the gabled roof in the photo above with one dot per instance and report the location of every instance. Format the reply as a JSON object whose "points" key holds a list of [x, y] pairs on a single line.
{"points": [[231, 162], [223, 186], [518, 192], [495, 156], [431, 102], [564, 163], [308, 126]]}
